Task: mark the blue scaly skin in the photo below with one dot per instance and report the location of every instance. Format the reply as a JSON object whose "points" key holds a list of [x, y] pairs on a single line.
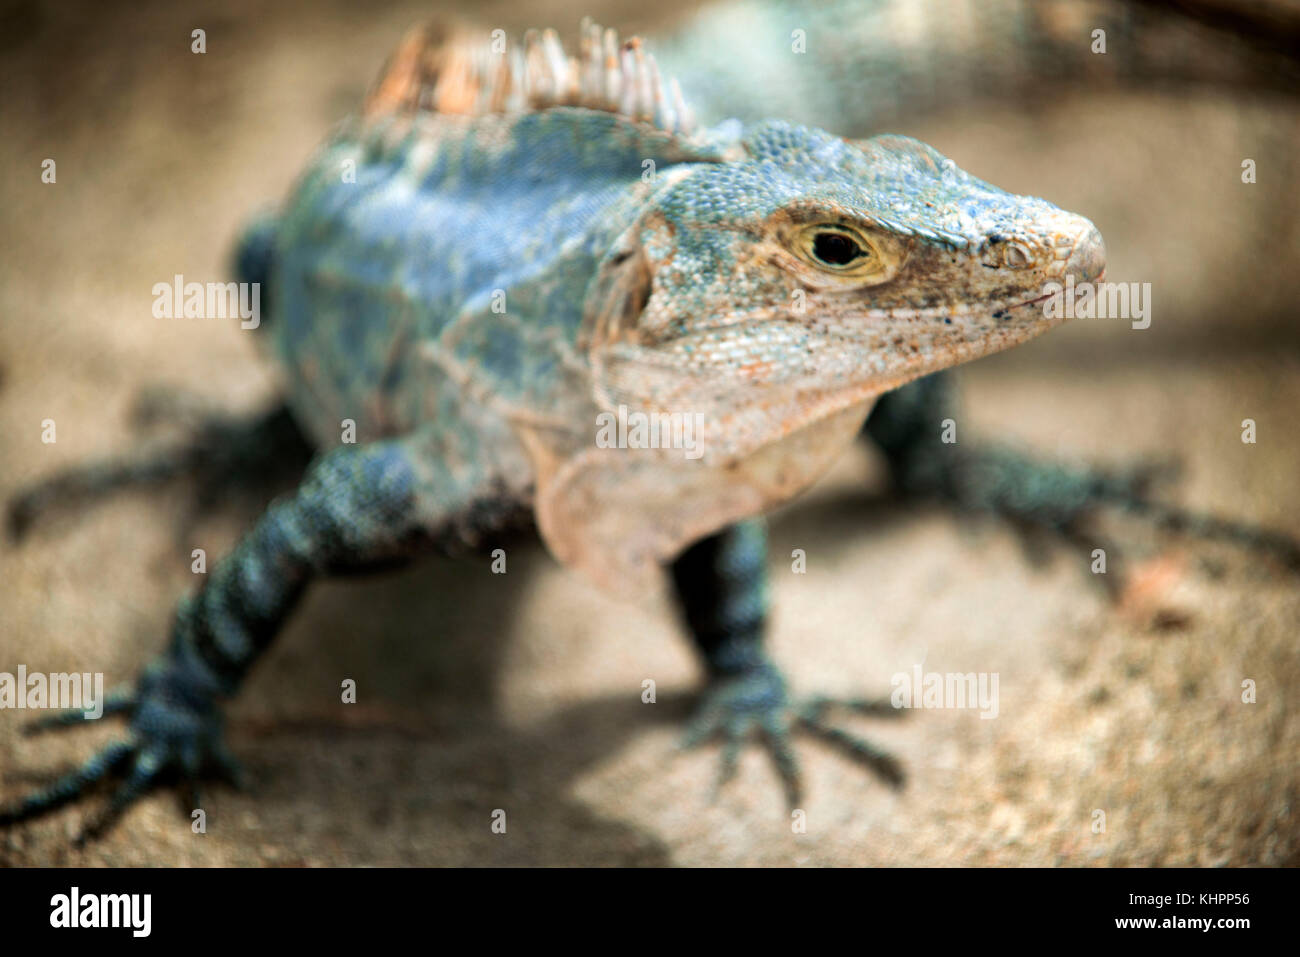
{"points": [[478, 267]]}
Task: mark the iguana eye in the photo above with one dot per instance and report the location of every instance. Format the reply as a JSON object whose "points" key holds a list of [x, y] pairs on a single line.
{"points": [[836, 249], [837, 254]]}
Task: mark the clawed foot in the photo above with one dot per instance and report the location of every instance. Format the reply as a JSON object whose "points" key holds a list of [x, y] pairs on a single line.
{"points": [[1043, 500], [175, 734], [756, 701]]}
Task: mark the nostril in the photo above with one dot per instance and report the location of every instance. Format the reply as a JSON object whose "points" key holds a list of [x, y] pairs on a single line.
{"points": [[1088, 258], [1016, 256]]}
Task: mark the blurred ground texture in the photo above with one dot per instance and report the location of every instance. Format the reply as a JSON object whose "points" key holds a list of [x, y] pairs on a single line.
{"points": [[522, 692]]}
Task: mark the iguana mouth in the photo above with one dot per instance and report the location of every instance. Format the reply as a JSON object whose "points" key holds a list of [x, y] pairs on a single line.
{"points": [[950, 310], [946, 311], [1048, 295], [1000, 307], [1031, 302]]}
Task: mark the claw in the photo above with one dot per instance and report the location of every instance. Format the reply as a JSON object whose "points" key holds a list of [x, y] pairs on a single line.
{"points": [[777, 739], [816, 707], [71, 786], [756, 700], [881, 762], [702, 727], [144, 773], [1281, 546], [115, 703], [168, 739], [729, 764], [228, 767], [191, 762]]}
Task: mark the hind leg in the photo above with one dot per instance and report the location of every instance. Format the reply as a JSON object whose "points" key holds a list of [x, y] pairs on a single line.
{"points": [[222, 455]]}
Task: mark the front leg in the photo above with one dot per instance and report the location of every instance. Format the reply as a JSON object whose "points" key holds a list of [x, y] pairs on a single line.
{"points": [[358, 507], [1035, 496], [722, 584]]}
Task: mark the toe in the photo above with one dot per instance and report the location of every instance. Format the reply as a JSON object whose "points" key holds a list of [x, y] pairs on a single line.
{"points": [[71, 786], [864, 752], [144, 773], [777, 736]]}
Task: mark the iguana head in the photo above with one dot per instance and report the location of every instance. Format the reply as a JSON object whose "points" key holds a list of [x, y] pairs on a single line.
{"points": [[811, 273]]}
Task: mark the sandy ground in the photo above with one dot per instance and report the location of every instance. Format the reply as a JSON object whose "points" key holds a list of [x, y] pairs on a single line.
{"points": [[523, 692]]}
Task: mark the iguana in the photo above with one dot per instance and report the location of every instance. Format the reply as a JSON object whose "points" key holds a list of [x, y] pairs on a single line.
{"points": [[501, 248], [505, 246]]}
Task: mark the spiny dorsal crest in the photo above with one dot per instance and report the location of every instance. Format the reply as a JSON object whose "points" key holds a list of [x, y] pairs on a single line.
{"points": [[438, 71]]}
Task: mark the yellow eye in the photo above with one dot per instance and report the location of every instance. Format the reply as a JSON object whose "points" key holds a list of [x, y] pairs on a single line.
{"points": [[827, 252], [837, 249]]}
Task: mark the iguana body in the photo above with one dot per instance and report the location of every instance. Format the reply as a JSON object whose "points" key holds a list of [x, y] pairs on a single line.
{"points": [[675, 292]]}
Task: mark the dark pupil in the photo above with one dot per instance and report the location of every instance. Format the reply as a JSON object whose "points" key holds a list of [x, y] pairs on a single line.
{"points": [[835, 249]]}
